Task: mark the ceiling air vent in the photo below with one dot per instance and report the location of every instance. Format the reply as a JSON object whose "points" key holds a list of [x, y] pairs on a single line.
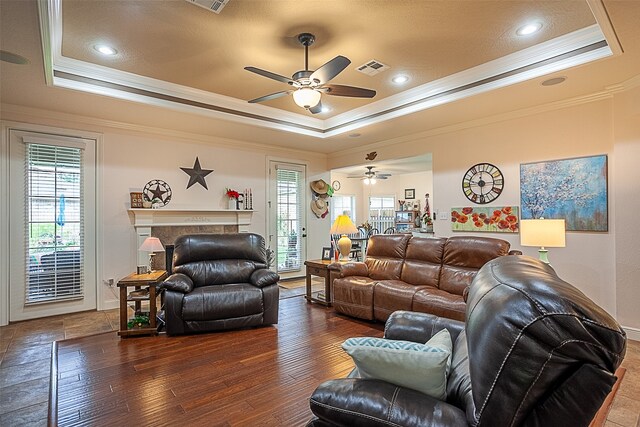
{"points": [[213, 5], [372, 67]]}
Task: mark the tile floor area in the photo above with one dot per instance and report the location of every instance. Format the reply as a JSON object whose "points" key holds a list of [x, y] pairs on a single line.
{"points": [[25, 357]]}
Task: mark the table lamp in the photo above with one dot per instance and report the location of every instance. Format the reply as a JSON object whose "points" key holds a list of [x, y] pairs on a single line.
{"points": [[544, 233], [343, 225], [151, 245]]}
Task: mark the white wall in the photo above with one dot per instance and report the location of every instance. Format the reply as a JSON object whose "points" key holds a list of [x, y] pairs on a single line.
{"points": [[131, 158], [589, 259], [626, 181]]}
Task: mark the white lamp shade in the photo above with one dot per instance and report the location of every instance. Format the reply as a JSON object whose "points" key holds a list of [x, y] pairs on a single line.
{"points": [[548, 233], [152, 244], [306, 97]]}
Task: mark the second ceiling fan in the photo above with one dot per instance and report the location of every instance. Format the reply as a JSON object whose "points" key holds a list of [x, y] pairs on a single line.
{"points": [[308, 86]]}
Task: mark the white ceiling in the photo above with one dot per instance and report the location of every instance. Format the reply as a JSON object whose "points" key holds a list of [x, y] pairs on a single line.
{"points": [[173, 55]]}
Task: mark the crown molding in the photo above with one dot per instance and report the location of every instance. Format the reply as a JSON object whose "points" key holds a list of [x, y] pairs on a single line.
{"points": [[17, 113], [576, 48], [525, 112], [600, 13]]}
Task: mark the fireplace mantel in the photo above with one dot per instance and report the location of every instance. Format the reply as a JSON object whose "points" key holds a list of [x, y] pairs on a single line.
{"points": [[145, 219], [167, 217]]}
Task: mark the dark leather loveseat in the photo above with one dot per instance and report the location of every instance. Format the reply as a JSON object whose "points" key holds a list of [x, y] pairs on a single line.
{"points": [[403, 272], [535, 351], [219, 281]]}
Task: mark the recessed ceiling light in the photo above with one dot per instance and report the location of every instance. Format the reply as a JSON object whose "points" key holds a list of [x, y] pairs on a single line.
{"points": [[554, 81], [529, 29], [400, 79], [325, 109], [105, 50]]}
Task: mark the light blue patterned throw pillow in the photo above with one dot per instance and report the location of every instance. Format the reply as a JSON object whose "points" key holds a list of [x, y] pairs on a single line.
{"points": [[421, 367]]}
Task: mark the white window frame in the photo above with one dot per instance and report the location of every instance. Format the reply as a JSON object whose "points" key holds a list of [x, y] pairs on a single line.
{"points": [[339, 210], [389, 220]]}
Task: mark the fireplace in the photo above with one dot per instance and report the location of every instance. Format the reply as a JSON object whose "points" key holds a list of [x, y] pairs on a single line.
{"points": [[167, 224]]}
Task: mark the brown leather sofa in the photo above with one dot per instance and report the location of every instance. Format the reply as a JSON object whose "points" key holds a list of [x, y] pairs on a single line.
{"points": [[534, 351], [219, 281], [403, 272]]}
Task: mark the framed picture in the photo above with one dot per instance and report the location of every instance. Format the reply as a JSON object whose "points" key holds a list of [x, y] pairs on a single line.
{"points": [[326, 253], [410, 193], [571, 189], [501, 219]]}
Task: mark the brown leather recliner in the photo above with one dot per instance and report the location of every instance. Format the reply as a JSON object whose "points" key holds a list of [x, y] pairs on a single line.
{"points": [[219, 281], [534, 351], [403, 272]]}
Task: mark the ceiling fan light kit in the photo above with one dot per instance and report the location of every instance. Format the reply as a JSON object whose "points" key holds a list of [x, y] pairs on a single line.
{"points": [[306, 97], [308, 86]]}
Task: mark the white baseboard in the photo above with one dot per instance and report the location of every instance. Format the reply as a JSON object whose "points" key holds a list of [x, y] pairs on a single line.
{"points": [[632, 333], [111, 304]]}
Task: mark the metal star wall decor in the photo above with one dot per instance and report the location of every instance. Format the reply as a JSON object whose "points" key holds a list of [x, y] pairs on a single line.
{"points": [[197, 174]]}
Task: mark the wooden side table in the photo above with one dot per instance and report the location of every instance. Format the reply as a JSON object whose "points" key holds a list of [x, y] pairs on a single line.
{"points": [[144, 290], [319, 267]]}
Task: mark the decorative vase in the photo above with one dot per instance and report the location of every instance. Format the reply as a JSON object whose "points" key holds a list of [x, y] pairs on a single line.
{"points": [[232, 204]]}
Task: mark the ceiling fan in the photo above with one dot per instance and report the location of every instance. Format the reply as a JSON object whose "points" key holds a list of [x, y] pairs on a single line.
{"points": [[308, 86], [370, 176]]}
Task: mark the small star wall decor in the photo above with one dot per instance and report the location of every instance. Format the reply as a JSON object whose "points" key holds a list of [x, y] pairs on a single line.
{"points": [[197, 174]]}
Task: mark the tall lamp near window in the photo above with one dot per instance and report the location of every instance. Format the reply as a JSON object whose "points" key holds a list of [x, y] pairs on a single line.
{"points": [[343, 225]]}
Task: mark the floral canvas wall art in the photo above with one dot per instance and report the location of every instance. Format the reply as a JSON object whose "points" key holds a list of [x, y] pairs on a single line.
{"points": [[573, 189], [485, 218]]}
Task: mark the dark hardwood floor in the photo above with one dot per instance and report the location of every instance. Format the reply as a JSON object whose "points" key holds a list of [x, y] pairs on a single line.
{"points": [[253, 377]]}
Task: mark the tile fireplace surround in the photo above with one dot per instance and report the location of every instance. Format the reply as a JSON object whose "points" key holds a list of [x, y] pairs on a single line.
{"points": [[169, 223]]}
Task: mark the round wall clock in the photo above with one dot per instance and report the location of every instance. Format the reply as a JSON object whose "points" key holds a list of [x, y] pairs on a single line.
{"points": [[482, 183], [336, 185], [157, 189]]}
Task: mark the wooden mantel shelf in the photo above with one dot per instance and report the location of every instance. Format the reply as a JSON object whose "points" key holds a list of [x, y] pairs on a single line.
{"points": [[167, 217]]}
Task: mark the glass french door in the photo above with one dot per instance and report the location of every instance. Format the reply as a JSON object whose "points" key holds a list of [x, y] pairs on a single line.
{"points": [[52, 222], [287, 218]]}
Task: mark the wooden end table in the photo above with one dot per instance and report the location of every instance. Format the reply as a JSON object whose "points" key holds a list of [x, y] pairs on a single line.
{"points": [[318, 267], [141, 283]]}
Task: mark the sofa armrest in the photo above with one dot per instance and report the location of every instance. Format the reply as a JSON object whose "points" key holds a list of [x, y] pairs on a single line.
{"points": [[419, 327], [347, 269], [355, 402], [177, 282], [263, 277]]}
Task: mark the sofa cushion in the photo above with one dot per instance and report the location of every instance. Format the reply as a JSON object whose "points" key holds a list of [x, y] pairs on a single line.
{"points": [[423, 261], [385, 256], [463, 256], [353, 296], [439, 303], [392, 295], [222, 302], [420, 367], [205, 273]]}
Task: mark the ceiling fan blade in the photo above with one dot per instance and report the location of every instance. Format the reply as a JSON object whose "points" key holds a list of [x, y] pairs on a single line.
{"points": [[270, 75], [356, 92], [330, 69], [271, 96], [317, 109]]}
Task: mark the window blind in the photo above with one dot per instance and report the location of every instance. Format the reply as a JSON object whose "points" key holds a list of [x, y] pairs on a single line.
{"points": [[54, 221], [289, 194]]}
